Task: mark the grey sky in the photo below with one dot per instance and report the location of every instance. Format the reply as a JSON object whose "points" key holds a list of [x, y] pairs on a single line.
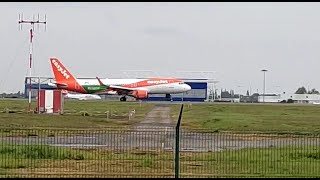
{"points": [[236, 40]]}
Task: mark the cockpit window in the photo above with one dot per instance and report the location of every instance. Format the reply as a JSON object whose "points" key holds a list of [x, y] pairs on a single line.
{"points": [[181, 82]]}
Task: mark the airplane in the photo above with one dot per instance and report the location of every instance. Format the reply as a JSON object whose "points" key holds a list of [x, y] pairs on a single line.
{"points": [[137, 88], [67, 95]]}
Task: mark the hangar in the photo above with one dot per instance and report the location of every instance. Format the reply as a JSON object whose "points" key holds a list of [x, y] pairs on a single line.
{"points": [[198, 92]]}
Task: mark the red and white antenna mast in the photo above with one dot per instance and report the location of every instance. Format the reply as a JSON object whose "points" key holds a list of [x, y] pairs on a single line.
{"points": [[32, 23]]}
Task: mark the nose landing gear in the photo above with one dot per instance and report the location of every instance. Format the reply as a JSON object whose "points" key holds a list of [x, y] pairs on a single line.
{"points": [[168, 97], [123, 98]]}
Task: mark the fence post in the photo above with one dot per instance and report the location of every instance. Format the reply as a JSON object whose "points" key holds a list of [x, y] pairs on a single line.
{"points": [[177, 149]]}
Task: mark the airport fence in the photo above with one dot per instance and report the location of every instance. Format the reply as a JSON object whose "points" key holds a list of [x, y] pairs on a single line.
{"points": [[150, 152]]}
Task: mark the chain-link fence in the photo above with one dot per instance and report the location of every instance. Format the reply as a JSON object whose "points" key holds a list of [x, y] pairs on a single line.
{"points": [[150, 152]]}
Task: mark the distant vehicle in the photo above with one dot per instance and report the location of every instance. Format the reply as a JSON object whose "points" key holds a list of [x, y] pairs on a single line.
{"points": [[137, 88]]}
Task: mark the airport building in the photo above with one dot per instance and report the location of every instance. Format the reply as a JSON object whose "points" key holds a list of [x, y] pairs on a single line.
{"points": [[283, 98], [36, 84], [294, 98]]}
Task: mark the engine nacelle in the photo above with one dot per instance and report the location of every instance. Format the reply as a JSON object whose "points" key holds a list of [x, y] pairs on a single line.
{"points": [[140, 94], [64, 92]]}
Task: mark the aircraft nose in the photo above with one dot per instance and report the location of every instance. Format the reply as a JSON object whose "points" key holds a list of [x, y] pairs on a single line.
{"points": [[187, 87]]}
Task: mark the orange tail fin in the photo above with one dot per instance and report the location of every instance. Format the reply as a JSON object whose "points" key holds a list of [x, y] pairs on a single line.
{"points": [[64, 79], [61, 73]]}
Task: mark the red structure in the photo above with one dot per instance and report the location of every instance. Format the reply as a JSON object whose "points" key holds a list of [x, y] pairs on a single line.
{"points": [[50, 101]]}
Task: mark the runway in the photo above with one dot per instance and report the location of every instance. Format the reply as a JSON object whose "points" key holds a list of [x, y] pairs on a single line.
{"points": [[164, 139]]}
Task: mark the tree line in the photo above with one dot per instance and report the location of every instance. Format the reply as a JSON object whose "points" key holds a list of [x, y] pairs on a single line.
{"points": [[303, 90]]}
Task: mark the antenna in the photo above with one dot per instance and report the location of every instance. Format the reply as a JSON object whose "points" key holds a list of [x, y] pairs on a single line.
{"points": [[38, 22], [45, 22]]}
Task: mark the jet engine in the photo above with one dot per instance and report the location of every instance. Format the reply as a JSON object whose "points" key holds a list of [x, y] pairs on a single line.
{"points": [[140, 94]]}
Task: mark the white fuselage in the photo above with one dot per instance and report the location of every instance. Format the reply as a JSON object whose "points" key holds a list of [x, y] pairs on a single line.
{"points": [[164, 88]]}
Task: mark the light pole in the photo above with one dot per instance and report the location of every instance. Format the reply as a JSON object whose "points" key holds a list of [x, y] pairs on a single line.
{"points": [[264, 82], [214, 90]]}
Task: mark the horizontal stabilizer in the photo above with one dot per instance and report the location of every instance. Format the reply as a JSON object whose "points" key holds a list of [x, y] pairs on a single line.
{"points": [[58, 84]]}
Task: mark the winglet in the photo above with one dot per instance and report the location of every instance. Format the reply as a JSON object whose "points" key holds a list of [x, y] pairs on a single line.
{"points": [[100, 82]]}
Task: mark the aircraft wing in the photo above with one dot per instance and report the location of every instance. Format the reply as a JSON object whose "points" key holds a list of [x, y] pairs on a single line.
{"points": [[118, 89]]}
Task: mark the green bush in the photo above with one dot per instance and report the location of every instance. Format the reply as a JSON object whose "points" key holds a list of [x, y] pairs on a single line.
{"points": [[40, 152]]}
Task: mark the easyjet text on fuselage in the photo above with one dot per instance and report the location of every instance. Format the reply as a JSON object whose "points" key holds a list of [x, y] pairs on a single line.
{"points": [[157, 82]]}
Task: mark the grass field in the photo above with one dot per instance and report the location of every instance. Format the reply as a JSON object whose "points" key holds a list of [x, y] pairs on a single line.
{"points": [[36, 160], [245, 117], [228, 117], [49, 161], [14, 114]]}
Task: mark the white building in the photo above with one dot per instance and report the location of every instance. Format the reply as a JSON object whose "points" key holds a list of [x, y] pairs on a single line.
{"points": [[297, 98], [306, 98], [270, 98]]}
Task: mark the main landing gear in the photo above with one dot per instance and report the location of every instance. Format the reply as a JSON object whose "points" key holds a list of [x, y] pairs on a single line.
{"points": [[123, 98], [168, 97]]}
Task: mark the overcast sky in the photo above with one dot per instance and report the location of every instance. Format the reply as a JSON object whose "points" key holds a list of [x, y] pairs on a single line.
{"points": [[235, 40]]}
